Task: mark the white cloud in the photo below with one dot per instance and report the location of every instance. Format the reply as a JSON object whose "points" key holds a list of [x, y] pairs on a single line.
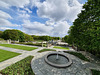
{"points": [[34, 3], [4, 15], [4, 22], [4, 28], [50, 22], [17, 3], [28, 10], [4, 5], [60, 29], [4, 19], [59, 10], [36, 28], [23, 16]]}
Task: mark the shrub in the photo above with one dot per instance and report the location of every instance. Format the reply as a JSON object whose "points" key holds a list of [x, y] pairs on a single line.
{"points": [[22, 67], [95, 72], [79, 55]]}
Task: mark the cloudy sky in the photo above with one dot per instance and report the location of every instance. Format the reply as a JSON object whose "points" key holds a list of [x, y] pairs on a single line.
{"points": [[39, 17]]}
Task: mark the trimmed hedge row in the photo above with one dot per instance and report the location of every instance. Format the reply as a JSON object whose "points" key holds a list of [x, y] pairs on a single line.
{"points": [[95, 72], [79, 55], [32, 44]]}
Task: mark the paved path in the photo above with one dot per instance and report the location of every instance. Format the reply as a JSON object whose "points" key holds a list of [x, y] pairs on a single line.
{"points": [[78, 67], [40, 67], [82, 68], [24, 54], [13, 60]]}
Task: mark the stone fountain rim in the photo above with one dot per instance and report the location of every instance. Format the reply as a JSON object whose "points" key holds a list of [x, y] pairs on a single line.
{"points": [[58, 65]]}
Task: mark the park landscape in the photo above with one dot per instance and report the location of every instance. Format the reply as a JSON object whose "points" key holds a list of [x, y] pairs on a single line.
{"points": [[24, 53]]}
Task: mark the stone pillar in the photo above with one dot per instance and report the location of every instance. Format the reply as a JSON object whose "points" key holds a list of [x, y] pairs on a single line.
{"points": [[42, 44], [8, 41], [47, 44], [18, 40]]}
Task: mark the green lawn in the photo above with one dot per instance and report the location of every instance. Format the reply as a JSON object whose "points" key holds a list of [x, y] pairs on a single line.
{"points": [[4, 55], [43, 50], [79, 55], [58, 47], [19, 47], [22, 67]]}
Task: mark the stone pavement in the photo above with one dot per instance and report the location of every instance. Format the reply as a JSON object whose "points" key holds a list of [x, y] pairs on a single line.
{"points": [[39, 67], [24, 54]]}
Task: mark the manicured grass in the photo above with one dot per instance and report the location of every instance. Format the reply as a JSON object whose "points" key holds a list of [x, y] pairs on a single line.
{"points": [[58, 47], [43, 50], [95, 72], [19, 47], [79, 55], [22, 67], [4, 55]]}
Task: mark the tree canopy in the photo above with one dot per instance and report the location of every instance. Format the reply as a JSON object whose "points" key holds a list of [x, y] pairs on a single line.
{"points": [[28, 37], [1, 33], [45, 38], [85, 32], [13, 35]]}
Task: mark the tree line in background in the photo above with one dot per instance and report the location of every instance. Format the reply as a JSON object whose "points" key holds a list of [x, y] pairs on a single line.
{"points": [[22, 37], [45, 38], [85, 32]]}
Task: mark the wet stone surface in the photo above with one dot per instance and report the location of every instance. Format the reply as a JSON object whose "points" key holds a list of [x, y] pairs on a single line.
{"points": [[40, 67]]}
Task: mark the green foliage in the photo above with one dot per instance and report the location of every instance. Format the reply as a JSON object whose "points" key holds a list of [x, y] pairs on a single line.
{"points": [[13, 35], [95, 72], [10, 34], [55, 38], [43, 50], [45, 38], [1, 39], [21, 36], [1, 33], [85, 32], [22, 67], [79, 55], [28, 37], [66, 38], [4, 55], [19, 47], [33, 44], [58, 47]]}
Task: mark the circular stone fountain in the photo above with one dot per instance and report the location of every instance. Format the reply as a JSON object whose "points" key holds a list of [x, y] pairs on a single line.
{"points": [[58, 60]]}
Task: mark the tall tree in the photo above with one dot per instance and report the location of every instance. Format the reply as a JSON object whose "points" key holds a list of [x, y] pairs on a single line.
{"points": [[21, 36], [28, 38], [86, 28], [1, 33], [10, 34], [14, 35]]}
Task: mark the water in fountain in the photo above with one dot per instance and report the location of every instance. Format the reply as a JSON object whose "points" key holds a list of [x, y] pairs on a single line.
{"points": [[54, 59], [57, 56], [58, 60]]}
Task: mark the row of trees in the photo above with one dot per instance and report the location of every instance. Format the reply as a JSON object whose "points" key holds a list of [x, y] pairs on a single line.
{"points": [[15, 35], [85, 32], [45, 38], [19, 35]]}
